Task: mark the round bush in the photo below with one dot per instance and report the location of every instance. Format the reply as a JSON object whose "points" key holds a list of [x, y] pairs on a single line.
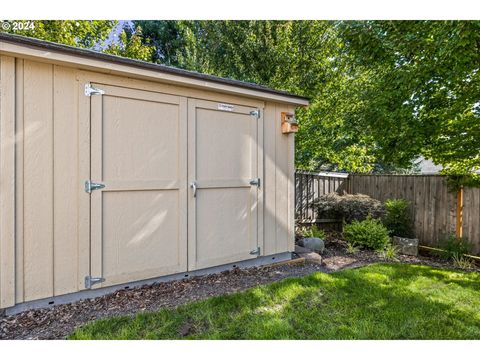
{"points": [[369, 233], [397, 218], [348, 207]]}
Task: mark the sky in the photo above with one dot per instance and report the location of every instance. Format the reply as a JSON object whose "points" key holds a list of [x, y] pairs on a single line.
{"points": [[113, 37]]}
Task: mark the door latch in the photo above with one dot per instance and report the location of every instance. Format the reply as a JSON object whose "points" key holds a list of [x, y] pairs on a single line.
{"points": [[90, 186], [255, 182], [90, 281], [193, 185]]}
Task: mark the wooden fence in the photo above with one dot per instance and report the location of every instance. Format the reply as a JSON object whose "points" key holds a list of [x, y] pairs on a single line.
{"points": [[433, 207], [309, 186]]}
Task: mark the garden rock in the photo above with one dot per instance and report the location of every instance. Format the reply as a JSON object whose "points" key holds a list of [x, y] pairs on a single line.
{"points": [[301, 250], [312, 243], [406, 246], [311, 257]]}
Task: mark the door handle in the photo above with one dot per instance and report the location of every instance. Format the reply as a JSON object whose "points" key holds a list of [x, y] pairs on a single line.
{"points": [[193, 185]]}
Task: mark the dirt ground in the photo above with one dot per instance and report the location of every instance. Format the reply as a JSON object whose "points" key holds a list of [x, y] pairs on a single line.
{"points": [[59, 321]]}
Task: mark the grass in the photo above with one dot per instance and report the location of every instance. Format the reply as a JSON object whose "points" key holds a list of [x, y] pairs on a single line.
{"points": [[383, 301]]}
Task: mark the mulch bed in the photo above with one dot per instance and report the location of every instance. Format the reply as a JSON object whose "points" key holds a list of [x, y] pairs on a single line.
{"points": [[59, 321]]}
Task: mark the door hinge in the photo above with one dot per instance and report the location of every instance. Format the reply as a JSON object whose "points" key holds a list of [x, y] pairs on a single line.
{"points": [[255, 182], [255, 113], [90, 186], [90, 281], [255, 251], [90, 90]]}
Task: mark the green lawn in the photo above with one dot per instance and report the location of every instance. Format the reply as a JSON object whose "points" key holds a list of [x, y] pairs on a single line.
{"points": [[385, 301]]}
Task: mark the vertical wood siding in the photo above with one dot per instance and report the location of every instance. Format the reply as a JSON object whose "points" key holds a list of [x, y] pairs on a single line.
{"points": [[7, 181]]}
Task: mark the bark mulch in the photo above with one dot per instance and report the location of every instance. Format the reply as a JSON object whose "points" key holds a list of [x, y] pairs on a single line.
{"points": [[59, 321]]}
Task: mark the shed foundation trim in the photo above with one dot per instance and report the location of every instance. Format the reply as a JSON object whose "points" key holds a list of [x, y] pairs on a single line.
{"points": [[88, 294]]}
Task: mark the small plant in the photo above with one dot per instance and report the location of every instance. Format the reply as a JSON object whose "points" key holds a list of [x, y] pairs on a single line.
{"points": [[313, 231], [351, 249], [389, 253], [369, 233], [462, 262], [397, 217], [453, 246]]}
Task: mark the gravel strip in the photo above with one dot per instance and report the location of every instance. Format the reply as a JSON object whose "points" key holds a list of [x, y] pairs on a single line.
{"points": [[59, 321]]}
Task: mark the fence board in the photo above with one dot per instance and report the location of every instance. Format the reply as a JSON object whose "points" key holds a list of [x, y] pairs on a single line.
{"points": [[471, 219]]}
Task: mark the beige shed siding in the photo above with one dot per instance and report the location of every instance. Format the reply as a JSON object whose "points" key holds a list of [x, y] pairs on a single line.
{"points": [[65, 175], [38, 180], [7, 181], [45, 158], [19, 144], [279, 188]]}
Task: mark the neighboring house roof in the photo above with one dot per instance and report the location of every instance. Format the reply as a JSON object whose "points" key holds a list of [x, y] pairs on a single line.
{"points": [[427, 166], [87, 53]]}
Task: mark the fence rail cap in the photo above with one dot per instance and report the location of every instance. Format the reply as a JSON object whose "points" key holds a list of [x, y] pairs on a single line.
{"points": [[324, 173]]}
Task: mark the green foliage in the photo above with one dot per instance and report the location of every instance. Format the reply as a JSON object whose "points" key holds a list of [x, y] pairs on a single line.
{"points": [[454, 247], [348, 207], [428, 78], [456, 181], [369, 233], [397, 218], [313, 231], [131, 44], [80, 33], [387, 301], [351, 249], [389, 253]]}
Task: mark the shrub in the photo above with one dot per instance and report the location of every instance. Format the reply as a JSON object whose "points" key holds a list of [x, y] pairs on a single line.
{"points": [[313, 231], [397, 217], [454, 247], [369, 233], [348, 207]]}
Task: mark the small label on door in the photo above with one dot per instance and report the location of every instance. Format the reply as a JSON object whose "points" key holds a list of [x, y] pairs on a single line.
{"points": [[225, 107]]}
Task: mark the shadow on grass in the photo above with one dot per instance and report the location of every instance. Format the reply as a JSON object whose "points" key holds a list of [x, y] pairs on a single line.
{"points": [[388, 301]]}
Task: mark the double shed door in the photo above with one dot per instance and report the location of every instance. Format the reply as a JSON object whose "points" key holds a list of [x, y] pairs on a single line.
{"points": [[177, 174]]}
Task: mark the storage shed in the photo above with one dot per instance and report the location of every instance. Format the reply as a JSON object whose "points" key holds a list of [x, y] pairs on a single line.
{"points": [[117, 172]]}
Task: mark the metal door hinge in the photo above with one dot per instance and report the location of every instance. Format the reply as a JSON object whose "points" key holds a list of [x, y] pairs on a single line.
{"points": [[90, 186], [255, 252], [255, 182], [90, 90], [90, 281], [255, 113]]}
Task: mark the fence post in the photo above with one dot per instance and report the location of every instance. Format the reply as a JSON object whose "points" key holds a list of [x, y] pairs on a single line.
{"points": [[459, 230]]}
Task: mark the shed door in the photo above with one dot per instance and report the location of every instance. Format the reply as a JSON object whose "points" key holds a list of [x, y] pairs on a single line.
{"points": [[222, 163], [138, 151]]}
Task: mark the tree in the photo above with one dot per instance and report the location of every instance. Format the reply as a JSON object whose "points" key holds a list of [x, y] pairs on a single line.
{"points": [[81, 33], [131, 44], [166, 37], [424, 92]]}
